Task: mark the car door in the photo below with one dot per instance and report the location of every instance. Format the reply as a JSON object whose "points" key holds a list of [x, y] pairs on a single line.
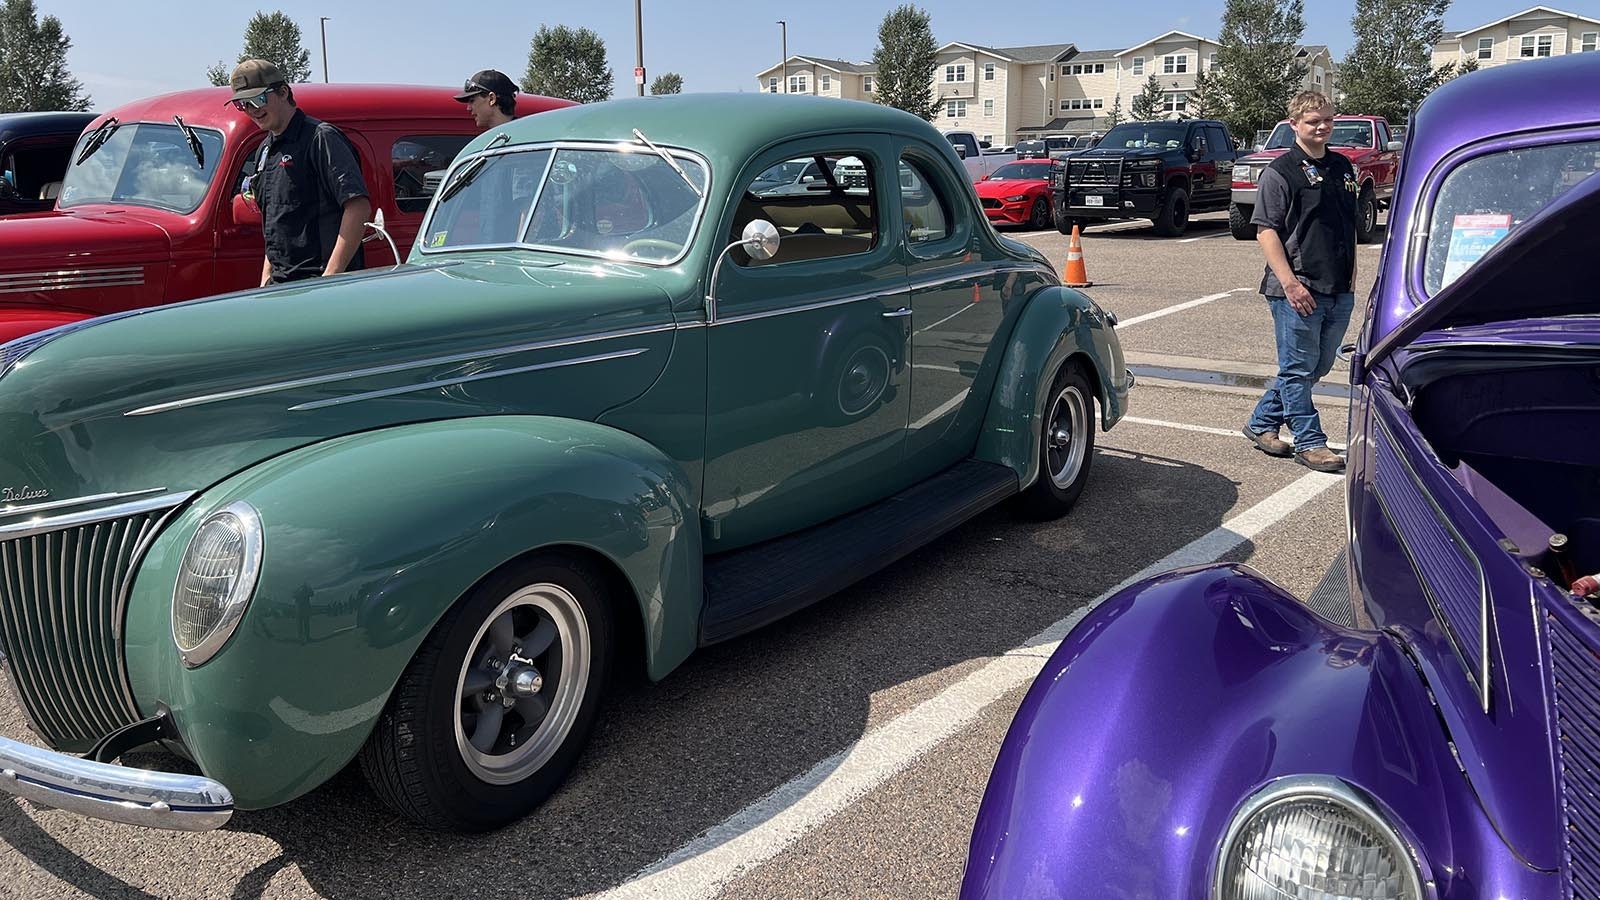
{"points": [[1219, 149], [808, 385]]}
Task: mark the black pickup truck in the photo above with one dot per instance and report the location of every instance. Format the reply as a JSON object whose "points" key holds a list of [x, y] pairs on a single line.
{"points": [[1162, 171]]}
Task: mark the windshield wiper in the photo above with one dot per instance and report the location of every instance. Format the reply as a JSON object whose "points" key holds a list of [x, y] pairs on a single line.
{"points": [[671, 162], [194, 142], [98, 138], [471, 170]]}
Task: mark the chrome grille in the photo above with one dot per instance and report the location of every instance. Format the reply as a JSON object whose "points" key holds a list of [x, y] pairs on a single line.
{"points": [[69, 279], [1577, 682], [61, 589]]}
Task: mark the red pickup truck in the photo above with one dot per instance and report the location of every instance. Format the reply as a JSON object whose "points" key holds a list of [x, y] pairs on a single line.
{"points": [[154, 214], [1366, 140]]}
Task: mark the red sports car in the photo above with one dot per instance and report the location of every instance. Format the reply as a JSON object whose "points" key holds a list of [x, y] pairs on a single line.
{"points": [[1018, 194]]}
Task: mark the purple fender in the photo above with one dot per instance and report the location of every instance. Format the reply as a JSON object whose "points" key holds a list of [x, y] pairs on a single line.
{"points": [[1176, 700]]}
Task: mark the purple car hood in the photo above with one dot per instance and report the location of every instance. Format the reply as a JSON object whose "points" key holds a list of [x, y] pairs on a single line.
{"points": [[1540, 270]]}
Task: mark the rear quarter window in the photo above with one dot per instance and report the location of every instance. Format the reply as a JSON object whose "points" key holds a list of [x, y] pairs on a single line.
{"points": [[414, 157]]}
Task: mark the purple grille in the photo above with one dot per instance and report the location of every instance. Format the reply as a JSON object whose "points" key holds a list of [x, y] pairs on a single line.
{"points": [[1577, 681]]}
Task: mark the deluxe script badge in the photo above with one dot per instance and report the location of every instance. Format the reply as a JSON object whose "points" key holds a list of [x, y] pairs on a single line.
{"points": [[22, 494]]}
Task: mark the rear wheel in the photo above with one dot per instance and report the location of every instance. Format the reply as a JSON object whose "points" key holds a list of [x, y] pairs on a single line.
{"points": [[1066, 445], [1173, 217], [1064, 223], [1239, 222], [1366, 216]]}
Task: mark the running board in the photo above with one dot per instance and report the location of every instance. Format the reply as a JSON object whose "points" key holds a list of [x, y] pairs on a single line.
{"points": [[759, 584]]}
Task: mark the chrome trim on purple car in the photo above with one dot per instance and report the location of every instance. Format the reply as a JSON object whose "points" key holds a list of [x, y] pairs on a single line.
{"points": [[111, 792]]}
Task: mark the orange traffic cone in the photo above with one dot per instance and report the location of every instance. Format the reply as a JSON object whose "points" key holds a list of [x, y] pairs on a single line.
{"points": [[1075, 275]]}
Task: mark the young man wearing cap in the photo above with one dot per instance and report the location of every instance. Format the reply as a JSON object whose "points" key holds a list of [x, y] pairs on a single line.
{"points": [[314, 202], [491, 97]]}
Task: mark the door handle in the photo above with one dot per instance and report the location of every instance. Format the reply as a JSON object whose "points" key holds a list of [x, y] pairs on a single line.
{"points": [[900, 313]]}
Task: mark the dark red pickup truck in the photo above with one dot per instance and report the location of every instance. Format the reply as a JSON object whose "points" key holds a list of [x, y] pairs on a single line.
{"points": [[146, 219], [1366, 140]]}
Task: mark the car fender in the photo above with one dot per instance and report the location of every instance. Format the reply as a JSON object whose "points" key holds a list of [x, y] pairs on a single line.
{"points": [[368, 539], [1172, 703], [1057, 324]]}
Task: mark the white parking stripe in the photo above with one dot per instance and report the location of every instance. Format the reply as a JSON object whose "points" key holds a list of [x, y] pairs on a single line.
{"points": [[1203, 237], [762, 830], [1169, 310], [1207, 429]]}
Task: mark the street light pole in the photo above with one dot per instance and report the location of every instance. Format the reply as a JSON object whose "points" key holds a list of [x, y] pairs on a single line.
{"points": [[324, 49], [638, 46], [783, 67]]}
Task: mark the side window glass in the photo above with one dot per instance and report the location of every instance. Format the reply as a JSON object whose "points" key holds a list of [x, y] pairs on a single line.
{"points": [[823, 204], [927, 212], [419, 162], [1217, 139]]}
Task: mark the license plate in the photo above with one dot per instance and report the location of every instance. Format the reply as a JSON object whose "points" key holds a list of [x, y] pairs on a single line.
{"points": [[1094, 200]]}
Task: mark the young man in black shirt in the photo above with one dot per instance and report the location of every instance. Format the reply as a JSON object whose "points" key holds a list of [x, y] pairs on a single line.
{"points": [[314, 202], [1305, 221]]}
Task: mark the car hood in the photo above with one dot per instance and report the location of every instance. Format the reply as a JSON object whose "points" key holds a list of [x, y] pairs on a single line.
{"points": [[56, 242], [1537, 271], [1009, 186], [178, 397]]}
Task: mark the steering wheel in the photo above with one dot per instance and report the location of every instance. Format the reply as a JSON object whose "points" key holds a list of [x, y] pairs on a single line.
{"points": [[637, 245]]}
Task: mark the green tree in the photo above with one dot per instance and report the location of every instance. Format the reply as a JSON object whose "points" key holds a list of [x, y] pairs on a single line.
{"points": [[1454, 70], [569, 63], [1115, 116], [33, 62], [1390, 66], [1256, 71], [905, 57], [1204, 101], [275, 38], [1148, 105], [670, 83]]}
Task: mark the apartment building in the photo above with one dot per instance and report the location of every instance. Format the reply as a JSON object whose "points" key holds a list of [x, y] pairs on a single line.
{"points": [[1534, 33], [1006, 94]]}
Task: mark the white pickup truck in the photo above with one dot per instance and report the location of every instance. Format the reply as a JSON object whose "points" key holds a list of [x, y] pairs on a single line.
{"points": [[978, 162]]}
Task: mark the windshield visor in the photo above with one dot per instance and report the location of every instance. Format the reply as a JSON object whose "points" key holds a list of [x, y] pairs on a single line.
{"points": [[616, 203], [143, 164]]}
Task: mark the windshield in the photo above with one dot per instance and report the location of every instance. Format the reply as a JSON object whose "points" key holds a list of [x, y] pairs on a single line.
{"points": [[144, 164], [1345, 134], [623, 203], [1145, 135], [1021, 171]]}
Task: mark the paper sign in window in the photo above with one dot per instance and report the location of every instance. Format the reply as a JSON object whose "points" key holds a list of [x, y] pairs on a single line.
{"points": [[1471, 236]]}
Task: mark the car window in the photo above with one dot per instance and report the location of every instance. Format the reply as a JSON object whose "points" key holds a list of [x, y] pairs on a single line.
{"points": [[1022, 171], [1218, 139], [1486, 198], [926, 209], [414, 158], [144, 164], [829, 207]]}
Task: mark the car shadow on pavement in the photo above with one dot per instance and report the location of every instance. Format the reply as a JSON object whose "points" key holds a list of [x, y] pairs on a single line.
{"points": [[670, 760]]}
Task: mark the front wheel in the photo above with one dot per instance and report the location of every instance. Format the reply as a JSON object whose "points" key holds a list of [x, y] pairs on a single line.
{"points": [[1239, 222], [494, 709], [1366, 216], [1065, 222], [1040, 219], [1173, 217], [1066, 445]]}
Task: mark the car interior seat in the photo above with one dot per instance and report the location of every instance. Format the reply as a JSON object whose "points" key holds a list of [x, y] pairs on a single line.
{"points": [[49, 190]]}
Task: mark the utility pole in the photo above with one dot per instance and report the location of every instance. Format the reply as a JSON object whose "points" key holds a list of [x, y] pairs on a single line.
{"points": [[783, 66], [638, 48], [324, 49]]}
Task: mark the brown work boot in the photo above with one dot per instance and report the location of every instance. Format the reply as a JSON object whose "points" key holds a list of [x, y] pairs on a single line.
{"points": [[1268, 442], [1321, 459]]}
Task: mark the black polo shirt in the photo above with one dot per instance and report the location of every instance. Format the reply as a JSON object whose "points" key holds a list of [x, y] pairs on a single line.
{"points": [[1311, 204], [307, 175]]}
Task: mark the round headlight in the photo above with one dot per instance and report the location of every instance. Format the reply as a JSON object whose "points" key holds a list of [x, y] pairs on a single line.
{"points": [[215, 581], [1315, 838]]}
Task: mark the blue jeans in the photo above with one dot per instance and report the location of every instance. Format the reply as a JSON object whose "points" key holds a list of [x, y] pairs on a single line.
{"points": [[1307, 347]]}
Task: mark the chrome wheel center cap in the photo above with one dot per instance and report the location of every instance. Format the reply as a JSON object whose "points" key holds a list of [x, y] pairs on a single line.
{"points": [[526, 682], [1060, 437]]}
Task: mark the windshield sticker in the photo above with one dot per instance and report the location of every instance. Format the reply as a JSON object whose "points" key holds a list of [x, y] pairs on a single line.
{"points": [[438, 238], [1471, 236]]}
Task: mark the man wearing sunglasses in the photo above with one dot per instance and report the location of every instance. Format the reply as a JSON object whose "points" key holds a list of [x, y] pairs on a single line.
{"points": [[491, 97], [313, 199]]}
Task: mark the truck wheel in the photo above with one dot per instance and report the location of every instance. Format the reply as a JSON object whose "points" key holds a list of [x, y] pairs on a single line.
{"points": [[1066, 446], [1366, 216], [1064, 224], [494, 709], [1239, 222], [1040, 219], [1174, 215]]}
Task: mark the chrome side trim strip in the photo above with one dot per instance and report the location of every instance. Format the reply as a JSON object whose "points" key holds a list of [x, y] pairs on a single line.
{"points": [[449, 382], [77, 501], [975, 276], [89, 517], [395, 367], [821, 304]]}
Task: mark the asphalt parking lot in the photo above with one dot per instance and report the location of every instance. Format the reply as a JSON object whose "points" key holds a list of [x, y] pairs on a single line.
{"points": [[841, 752]]}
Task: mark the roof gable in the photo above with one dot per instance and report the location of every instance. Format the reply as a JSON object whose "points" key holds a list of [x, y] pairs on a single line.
{"points": [[1161, 37], [1543, 10]]}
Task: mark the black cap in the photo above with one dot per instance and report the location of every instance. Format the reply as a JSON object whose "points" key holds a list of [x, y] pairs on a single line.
{"points": [[489, 81]]}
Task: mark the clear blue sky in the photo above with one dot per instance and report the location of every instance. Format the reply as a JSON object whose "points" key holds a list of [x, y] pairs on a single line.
{"points": [[124, 51]]}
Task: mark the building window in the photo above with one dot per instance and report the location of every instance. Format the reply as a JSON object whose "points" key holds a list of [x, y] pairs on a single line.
{"points": [[1537, 45], [1099, 103], [772, 85], [988, 71], [1138, 65], [1486, 48], [1175, 102], [798, 84], [1050, 107], [1175, 64], [1065, 69], [825, 83], [1588, 41], [955, 109], [866, 84], [1547, 43], [956, 72], [1099, 68], [988, 108], [1316, 76], [1212, 61], [1050, 75]]}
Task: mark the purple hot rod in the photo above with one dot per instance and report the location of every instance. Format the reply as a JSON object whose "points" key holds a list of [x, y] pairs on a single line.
{"points": [[1427, 725]]}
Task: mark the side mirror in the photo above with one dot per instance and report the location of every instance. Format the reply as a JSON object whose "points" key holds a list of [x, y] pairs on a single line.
{"points": [[1260, 147], [245, 212], [1393, 145], [984, 178], [760, 239], [807, 179], [378, 231]]}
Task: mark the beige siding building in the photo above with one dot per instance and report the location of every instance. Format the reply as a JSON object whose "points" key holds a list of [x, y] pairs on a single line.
{"points": [[1531, 34]]}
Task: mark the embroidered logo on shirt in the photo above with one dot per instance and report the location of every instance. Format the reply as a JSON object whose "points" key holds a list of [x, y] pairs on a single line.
{"points": [[286, 161]]}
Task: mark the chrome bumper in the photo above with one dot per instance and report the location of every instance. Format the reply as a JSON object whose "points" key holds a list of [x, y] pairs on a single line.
{"points": [[111, 792], [1245, 196]]}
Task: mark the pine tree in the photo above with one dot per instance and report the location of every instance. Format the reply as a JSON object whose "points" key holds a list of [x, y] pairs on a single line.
{"points": [[33, 62], [1205, 101], [1148, 105], [275, 38], [905, 58], [1256, 71], [670, 83], [1115, 117], [569, 63], [1390, 66]]}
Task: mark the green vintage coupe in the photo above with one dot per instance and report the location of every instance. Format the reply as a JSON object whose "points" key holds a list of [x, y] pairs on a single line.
{"points": [[625, 399]]}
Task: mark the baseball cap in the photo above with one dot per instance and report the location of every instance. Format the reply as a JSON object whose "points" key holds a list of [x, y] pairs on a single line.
{"points": [[253, 76], [489, 81]]}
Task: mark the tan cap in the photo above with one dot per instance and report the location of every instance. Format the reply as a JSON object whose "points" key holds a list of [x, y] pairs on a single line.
{"points": [[253, 76]]}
